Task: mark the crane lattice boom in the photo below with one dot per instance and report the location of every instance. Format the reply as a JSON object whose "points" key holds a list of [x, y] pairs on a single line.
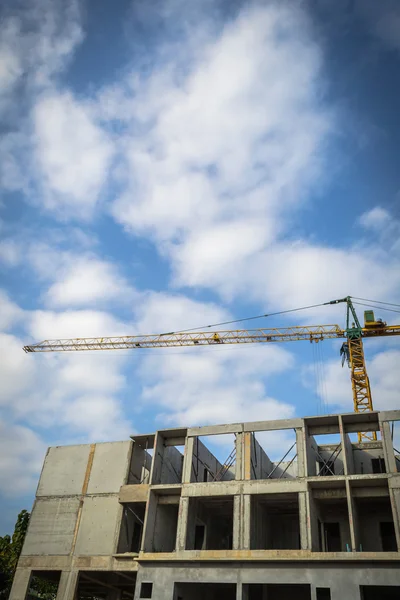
{"points": [[352, 349]]}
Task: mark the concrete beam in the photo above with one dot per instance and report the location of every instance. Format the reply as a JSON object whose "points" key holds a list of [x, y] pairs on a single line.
{"points": [[389, 415], [133, 493], [275, 486], [215, 429], [273, 425], [216, 488]]}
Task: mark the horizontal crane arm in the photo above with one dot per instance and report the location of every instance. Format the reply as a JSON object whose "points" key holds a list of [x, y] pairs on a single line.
{"points": [[312, 333]]}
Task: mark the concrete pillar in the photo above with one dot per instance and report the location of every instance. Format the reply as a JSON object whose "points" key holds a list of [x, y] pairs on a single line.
{"points": [[68, 585], [181, 530], [237, 522], [301, 454], [353, 519], [188, 460], [149, 523], [312, 523], [303, 519], [239, 457], [20, 584], [386, 435], [394, 494], [156, 465], [246, 523], [246, 455]]}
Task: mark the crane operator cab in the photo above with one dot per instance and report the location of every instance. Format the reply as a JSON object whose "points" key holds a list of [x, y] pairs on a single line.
{"points": [[370, 322]]}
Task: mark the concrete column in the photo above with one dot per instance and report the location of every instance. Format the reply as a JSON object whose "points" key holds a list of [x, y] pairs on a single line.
{"points": [[312, 523], [237, 522], [353, 519], [181, 531], [239, 457], [156, 465], [303, 517], [68, 585], [394, 494], [246, 455], [301, 455], [390, 460], [149, 523], [347, 451], [20, 584], [188, 460], [246, 523], [242, 591]]}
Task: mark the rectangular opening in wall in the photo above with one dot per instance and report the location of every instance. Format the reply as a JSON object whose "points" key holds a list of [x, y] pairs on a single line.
{"points": [[323, 593], [44, 580], [168, 457], [271, 454], [98, 585], [330, 511], [210, 523], [146, 590], [375, 521], [275, 591], [131, 532], [326, 455], [367, 458], [380, 592], [166, 521], [205, 591], [275, 523], [214, 458], [141, 460]]}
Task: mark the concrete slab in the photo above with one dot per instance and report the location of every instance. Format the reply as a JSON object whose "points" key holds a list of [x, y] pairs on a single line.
{"points": [[98, 531], [64, 471], [110, 467], [51, 527]]}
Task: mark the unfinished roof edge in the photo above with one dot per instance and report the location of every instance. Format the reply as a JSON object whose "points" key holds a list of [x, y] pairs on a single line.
{"points": [[272, 425]]}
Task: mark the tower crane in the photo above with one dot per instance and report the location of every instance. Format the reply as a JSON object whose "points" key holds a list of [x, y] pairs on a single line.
{"points": [[352, 350]]}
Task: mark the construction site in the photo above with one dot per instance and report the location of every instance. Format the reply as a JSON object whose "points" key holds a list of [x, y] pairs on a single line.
{"points": [[305, 508]]}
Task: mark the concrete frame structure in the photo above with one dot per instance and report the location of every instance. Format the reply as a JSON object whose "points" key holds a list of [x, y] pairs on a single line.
{"points": [[140, 519]]}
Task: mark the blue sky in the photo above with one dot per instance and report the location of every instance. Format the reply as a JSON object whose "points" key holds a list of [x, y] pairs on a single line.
{"points": [[166, 165]]}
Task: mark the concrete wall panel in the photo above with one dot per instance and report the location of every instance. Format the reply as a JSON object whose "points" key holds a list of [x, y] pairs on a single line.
{"points": [[98, 530], [64, 471], [110, 467], [51, 527]]}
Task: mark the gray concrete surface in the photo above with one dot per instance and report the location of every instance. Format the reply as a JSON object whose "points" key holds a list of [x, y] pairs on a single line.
{"points": [[339, 531]]}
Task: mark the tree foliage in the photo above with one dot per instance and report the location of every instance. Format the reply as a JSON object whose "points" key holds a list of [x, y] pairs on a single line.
{"points": [[10, 549]]}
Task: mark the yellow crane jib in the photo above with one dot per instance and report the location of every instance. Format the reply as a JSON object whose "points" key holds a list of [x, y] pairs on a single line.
{"points": [[352, 349]]}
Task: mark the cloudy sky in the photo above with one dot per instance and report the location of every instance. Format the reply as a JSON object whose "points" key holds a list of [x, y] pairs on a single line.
{"points": [[172, 164]]}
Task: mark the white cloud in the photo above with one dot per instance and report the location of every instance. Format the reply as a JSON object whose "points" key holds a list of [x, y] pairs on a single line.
{"points": [[10, 313], [21, 456], [376, 218], [73, 154], [206, 385], [86, 280], [10, 252], [384, 378], [206, 160]]}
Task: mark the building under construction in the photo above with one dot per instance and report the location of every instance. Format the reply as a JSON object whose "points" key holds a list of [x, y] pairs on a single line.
{"points": [[160, 517]]}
